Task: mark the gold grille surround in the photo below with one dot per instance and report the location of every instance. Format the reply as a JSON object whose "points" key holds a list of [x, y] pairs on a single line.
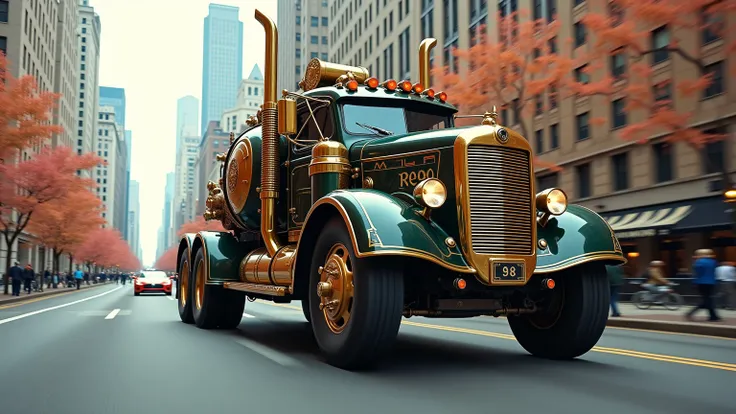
{"points": [[481, 258]]}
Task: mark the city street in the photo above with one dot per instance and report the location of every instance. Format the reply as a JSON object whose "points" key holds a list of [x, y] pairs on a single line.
{"points": [[105, 351]]}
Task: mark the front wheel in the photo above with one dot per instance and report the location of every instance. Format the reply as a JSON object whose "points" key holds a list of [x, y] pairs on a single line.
{"points": [[641, 300], [354, 304], [672, 301], [573, 318]]}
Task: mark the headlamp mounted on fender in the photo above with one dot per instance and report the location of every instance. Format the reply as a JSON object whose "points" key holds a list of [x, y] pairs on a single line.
{"points": [[430, 193], [552, 201]]}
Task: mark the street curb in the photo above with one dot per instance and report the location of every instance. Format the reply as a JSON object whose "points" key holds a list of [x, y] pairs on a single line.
{"points": [[675, 327], [45, 293]]}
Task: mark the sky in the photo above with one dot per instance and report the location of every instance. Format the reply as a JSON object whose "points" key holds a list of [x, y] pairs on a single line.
{"points": [[153, 49]]}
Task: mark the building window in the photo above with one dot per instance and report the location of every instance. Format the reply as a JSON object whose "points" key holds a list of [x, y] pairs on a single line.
{"points": [[537, 10], [84, 30], [662, 92], [4, 45], [548, 181], [427, 18], [618, 113], [663, 162], [84, 39], [582, 123], [620, 166], [313, 55], [581, 74], [582, 174], [4, 11], [314, 21], [405, 54], [323, 56], [324, 21], [715, 71], [554, 136], [660, 42], [298, 21], [314, 40], [551, 10], [580, 34], [616, 12], [324, 40], [298, 36], [712, 26], [714, 153], [553, 96], [618, 64], [539, 135]]}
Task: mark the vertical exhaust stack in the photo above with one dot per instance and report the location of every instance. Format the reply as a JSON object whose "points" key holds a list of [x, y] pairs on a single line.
{"points": [[424, 54], [270, 147]]}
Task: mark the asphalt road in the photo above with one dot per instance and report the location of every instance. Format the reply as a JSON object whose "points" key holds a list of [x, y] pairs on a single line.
{"points": [[105, 351]]}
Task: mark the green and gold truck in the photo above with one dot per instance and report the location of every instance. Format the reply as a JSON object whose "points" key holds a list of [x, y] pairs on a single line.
{"points": [[362, 199]]}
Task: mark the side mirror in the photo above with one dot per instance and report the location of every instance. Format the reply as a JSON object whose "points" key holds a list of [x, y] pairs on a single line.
{"points": [[287, 116]]}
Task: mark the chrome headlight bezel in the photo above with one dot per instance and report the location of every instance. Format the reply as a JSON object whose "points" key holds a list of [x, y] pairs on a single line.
{"points": [[552, 201], [430, 193]]}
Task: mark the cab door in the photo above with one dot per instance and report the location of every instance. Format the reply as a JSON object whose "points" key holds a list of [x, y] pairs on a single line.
{"points": [[300, 189]]}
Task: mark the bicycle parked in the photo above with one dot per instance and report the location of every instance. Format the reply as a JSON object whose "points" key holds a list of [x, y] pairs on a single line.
{"points": [[657, 295]]}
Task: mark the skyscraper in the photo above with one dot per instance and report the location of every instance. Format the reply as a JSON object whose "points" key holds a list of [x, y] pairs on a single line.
{"points": [[222, 63], [115, 97], [88, 63], [187, 118], [169, 232], [134, 212], [303, 35], [67, 74]]}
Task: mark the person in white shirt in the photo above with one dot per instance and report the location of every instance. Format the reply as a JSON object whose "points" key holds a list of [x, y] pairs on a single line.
{"points": [[726, 279]]}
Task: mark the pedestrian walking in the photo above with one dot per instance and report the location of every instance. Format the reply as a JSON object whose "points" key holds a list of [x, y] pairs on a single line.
{"points": [[726, 279], [616, 280], [28, 277], [78, 276], [704, 272], [16, 277]]}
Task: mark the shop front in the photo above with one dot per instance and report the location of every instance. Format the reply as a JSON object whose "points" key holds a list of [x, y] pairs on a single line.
{"points": [[672, 232]]}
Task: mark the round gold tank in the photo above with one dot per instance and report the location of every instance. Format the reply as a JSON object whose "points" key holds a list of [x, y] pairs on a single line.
{"points": [[329, 169]]}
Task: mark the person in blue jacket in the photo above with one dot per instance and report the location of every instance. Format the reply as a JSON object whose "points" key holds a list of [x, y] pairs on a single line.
{"points": [[704, 274]]}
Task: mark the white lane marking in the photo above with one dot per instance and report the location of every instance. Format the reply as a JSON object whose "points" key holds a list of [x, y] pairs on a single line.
{"points": [[248, 315], [64, 305], [269, 353], [112, 314], [170, 298]]}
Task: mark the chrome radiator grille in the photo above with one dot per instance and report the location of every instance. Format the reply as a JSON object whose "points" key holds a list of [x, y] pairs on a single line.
{"points": [[499, 185]]}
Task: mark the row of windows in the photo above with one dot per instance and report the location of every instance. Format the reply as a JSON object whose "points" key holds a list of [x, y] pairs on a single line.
{"points": [[663, 168]]}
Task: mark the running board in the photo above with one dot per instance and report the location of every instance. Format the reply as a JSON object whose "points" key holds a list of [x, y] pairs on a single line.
{"points": [[271, 290]]}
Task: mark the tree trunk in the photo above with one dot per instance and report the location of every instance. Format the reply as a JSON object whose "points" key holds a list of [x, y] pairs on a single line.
{"points": [[56, 262], [6, 276], [71, 264]]}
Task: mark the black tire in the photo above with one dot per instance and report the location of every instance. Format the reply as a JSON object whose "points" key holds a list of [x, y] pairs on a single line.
{"points": [[575, 319], [219, 308], [305, 309], [184, 297], [375, 314]]}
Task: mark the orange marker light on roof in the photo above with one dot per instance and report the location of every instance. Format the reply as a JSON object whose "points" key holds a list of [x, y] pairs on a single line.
{"points": [[442, 96], [352, 85], [390, 85], [405, 86], [417, 88], [429, 93], [371, 83]]}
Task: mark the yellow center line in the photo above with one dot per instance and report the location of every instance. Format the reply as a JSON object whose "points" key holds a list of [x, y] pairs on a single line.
{"points": [[604, 350]]}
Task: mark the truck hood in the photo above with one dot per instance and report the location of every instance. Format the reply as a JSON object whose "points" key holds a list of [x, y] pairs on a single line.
{"points": [[378, 147]]}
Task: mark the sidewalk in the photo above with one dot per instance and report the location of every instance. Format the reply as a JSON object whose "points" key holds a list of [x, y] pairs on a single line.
{"points": [[660, 319], [6, 299]]}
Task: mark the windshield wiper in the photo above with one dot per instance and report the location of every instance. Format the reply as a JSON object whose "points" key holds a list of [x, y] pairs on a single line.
{"points": [[375, 129]]}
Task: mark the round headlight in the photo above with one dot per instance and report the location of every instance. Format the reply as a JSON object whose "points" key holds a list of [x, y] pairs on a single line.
{"points": [[553, 201], [430, 193]]}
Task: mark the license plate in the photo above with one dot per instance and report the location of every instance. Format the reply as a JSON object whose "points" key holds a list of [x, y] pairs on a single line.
{"points": [[507, 271]]}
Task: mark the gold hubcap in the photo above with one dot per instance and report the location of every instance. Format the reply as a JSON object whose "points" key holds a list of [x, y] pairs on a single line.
{"points": [[199, 291], [184, 284], [336, 287]]}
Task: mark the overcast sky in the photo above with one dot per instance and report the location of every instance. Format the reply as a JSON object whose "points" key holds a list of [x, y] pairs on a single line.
{"points": [[153, 49]]}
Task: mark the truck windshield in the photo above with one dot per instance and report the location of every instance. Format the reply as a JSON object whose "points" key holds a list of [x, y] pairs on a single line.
{"points": [[397, 120]]}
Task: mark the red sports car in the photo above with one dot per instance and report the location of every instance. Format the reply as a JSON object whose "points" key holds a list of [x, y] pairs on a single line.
{"points": [[152, 281]]}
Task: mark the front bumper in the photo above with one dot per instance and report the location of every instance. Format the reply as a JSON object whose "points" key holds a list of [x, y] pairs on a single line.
{"points": [[152, 288]]}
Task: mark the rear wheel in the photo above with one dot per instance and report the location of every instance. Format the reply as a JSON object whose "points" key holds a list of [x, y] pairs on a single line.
{"points": [[184, 301], [354, 304], [305, 309], [213, 306], [573, 319]]}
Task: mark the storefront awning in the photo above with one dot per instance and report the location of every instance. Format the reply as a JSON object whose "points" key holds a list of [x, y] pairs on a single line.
{"points": [[662, 219]]}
